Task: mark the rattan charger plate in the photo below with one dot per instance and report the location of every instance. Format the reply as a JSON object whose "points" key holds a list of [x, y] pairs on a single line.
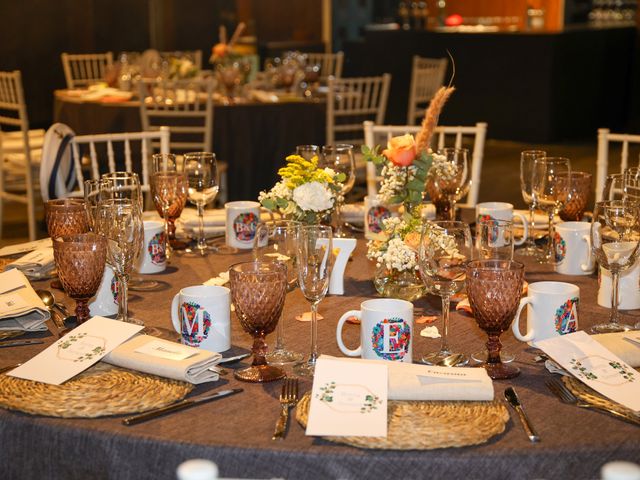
{"points": [[99, 391], [414, 425], [589, 395]]}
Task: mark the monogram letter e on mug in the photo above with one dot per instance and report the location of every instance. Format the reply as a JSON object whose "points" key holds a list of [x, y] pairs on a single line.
{"points": [[201, 315], [386, 330]]}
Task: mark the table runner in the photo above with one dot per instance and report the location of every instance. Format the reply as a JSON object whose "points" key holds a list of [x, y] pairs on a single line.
{"points": [[237, 433]]}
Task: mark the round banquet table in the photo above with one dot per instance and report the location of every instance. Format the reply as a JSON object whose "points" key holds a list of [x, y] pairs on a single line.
{"points": [[253, 138], [236, 432]]}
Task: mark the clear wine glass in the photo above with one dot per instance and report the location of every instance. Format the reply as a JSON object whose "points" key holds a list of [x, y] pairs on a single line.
{"points": [[169, 192], [275, 241], [120, 221], [615, 238], [454, 183], [91, 199], [445, 249], [201, 170], [527, 160], [122, 185], [314, 248], [340, 158], [551, 181], [307, 151], [613, 187]]}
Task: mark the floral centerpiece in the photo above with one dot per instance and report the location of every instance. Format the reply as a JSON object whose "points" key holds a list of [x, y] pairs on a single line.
{"points": [[305, 193], [182, 67], [409, 167], [224, 50]]}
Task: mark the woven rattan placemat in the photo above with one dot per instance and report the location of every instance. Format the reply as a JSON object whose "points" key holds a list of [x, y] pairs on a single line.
{"points": [[416, 425], [589, 395], [99, 391]]}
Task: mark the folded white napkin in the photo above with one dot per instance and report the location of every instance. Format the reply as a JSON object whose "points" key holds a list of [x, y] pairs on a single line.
{"points": [[220, 280], [20, 306], [353, 212], [263, 96], [410, 381], [624, 349], [34, 264], [212, 218], [25, 247], [160, 357], [541, 220]]}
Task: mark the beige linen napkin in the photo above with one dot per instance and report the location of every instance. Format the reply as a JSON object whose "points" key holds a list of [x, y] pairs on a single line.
{"points": [[410, 381], [34, 264], [20, 306], [160, 357], [625, 349]]}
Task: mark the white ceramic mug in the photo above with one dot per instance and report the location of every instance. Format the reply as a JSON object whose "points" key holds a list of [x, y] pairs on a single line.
{"points": [[573, 248], [242, 220], [552, 310], [502, 211], [386, 330], [201, 315], [628, 288], [153, 258], [375, 212], [105, 301]]}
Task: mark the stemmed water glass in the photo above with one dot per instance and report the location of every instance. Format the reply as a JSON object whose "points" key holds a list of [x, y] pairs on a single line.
{"points": [[275, 241], [307, 151], [454, 181], [80, 260], [314, 248], [91, 199], [494, 288], [258, 290], [169, 192], [201, 170], [120, 221], [527, 160], [340, 158], [445, 249], [615, 237], [550, 188]]}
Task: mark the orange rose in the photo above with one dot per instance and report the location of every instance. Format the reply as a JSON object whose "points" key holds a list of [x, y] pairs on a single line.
{"points": [[412, 239], [401, 151], [219, 50]]}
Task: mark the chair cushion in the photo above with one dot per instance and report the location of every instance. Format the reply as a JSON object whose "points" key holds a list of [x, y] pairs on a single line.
{"points": [[57, 173]]}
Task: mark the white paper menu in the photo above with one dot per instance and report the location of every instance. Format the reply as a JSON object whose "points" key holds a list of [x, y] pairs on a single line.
{"points": [[76, 351], [348, 398], [594, 365]]}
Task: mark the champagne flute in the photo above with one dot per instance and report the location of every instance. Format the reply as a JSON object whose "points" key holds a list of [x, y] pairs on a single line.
{"points": [[275, 241], [551, 181], [314, 248], [341, 160], [527, 160], [202, 176], [91, 199], [169, 192], [615, 238], [445, 249], [120, 221], [454, 183]]}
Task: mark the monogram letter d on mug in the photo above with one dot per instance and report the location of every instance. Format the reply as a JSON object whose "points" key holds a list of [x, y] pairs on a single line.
{"points": [[386, 330]]}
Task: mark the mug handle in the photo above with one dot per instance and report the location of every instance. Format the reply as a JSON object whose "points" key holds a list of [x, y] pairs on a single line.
{"points": [[175, 317], [515, 326], [585, 267], [525, 224], [343, 348]]}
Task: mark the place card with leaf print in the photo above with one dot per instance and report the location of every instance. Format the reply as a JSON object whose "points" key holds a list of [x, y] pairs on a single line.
{"points": [[76, 351], [597, 367], [348, 399]]}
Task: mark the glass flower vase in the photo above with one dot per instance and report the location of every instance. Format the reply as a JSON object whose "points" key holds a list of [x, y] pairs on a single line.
{"points": [[406, 284]]}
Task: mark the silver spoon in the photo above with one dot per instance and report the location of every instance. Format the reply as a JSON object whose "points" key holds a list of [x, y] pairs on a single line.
{"points": [[50, 302], [451, 360]]}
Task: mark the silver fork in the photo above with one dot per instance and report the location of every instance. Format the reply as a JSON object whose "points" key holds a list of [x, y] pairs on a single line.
{"points": [[288, 398], [560, 390]]}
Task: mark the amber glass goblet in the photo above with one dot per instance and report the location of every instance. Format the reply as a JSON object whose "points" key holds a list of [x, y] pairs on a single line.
{"points": [[494, 288], [579, 190], [80, 260], [67, 216], [258, 290]]}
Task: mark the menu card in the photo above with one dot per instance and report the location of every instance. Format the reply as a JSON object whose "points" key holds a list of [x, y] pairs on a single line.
{"points": [[348, 399], [597, 367], [76, 351]]}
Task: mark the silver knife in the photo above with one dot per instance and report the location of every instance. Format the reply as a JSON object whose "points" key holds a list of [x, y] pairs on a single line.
{"points": [[19, 343], [512, 397], [234, 359], [143, 417]]}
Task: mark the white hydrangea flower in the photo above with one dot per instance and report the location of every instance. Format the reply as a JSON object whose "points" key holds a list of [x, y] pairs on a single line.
{"points": [[313, 196]]}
